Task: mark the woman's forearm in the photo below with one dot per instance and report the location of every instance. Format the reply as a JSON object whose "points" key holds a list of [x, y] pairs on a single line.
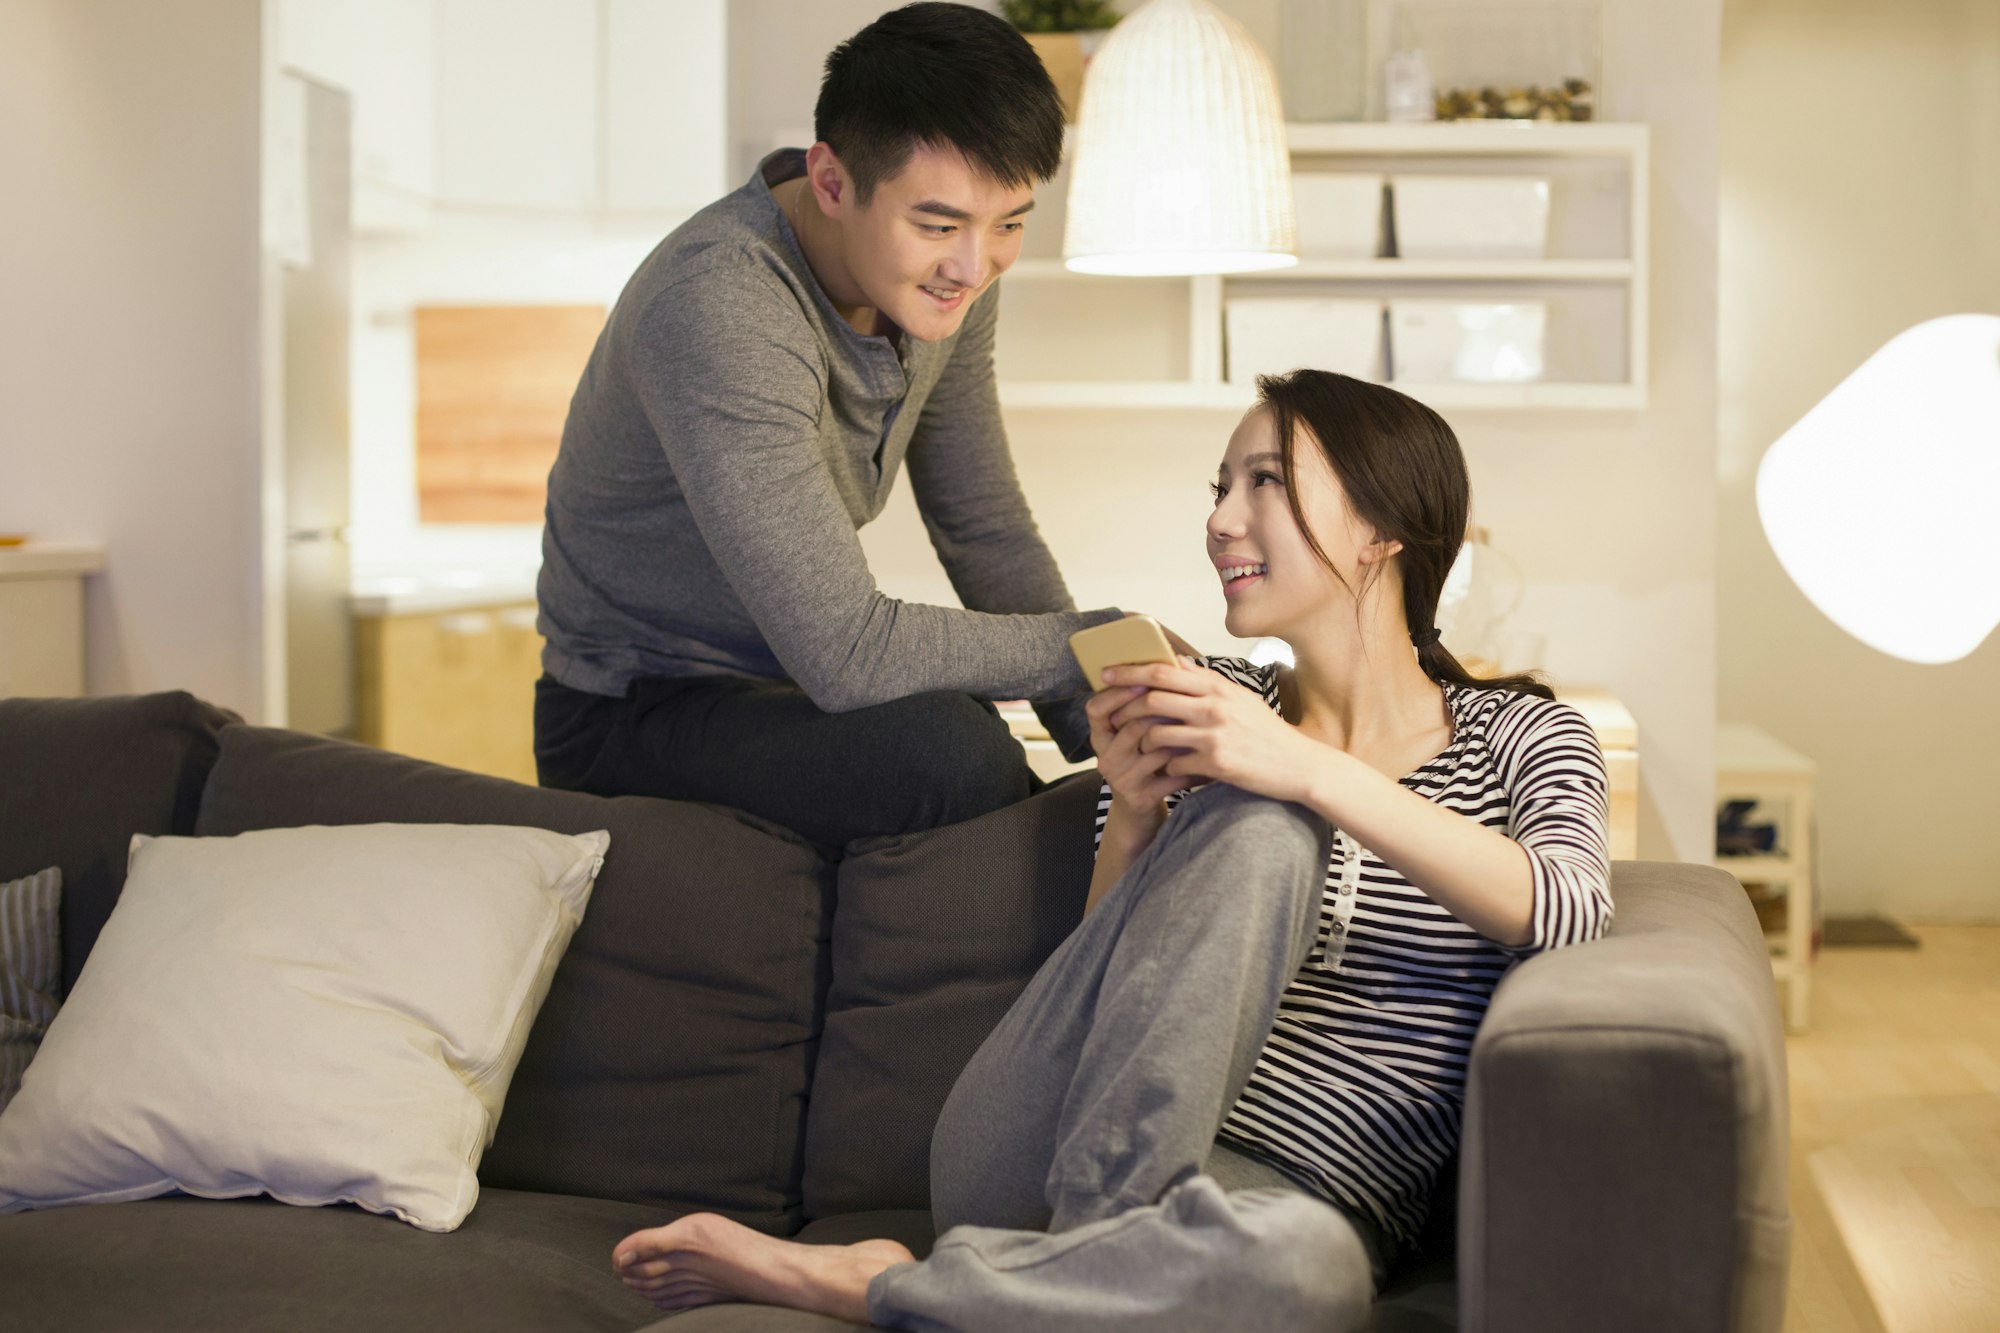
{"points": [[1127, 833], [1480, 876]]}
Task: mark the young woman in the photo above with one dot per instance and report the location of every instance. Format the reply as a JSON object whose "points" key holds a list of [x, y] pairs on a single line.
{"points": [[1225, 1099]]}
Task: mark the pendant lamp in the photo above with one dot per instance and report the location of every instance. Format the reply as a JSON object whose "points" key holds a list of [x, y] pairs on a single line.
{"points": [[1180, 163], [1880, 503]]}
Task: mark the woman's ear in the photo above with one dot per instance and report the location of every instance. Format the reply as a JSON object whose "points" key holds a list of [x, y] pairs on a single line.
{"points": [[1378, 548]]}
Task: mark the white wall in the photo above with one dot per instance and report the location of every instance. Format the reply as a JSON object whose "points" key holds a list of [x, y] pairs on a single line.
{"points": [[130, 325], [1860, 195], [1611, 515]]}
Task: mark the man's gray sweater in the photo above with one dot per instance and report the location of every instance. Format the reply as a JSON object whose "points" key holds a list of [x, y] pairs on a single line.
{"points": [[730, 435]]}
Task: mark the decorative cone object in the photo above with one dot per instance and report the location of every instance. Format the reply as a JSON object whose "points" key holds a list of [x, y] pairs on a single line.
{"points": [[1181, 165]]}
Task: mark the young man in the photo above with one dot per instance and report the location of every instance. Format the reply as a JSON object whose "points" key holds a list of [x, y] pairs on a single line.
{"points": [[713, 630]]}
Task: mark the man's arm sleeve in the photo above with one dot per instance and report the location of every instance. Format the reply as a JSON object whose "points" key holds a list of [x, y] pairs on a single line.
{"points": [[730, 379], [979, 523]]}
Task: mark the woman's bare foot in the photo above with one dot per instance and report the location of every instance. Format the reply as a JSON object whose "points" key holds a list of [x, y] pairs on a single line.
{"points": [[702, 1259]]}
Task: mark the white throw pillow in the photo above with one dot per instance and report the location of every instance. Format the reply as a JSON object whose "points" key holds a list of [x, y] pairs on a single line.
{"points": [[319, 1014]]}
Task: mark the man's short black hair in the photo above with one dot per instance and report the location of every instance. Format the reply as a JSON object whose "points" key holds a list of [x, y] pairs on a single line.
{"points": [[946, 76]]}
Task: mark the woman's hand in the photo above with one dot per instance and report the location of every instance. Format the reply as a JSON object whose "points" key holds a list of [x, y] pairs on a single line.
{"points": [[1136, 776], [1206, 728]]}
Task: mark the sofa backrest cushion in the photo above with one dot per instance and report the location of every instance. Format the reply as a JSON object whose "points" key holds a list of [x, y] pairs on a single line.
{"points": [[934, 935], [79, 777], [670, 1062]]}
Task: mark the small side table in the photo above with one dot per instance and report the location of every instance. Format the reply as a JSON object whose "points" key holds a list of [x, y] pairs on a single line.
{"points": [[41, 616], [1618, 736], [1752, 765]]}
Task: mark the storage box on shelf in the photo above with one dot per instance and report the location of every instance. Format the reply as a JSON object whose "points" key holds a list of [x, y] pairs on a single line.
{"points": [[1160, 342], [1752, 765]]}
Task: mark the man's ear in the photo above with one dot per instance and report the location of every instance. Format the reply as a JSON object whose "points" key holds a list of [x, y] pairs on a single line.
{"points": [[828, 179]]}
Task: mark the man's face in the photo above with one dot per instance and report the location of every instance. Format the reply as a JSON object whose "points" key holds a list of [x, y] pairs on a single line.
{"points": [[932, 239]]}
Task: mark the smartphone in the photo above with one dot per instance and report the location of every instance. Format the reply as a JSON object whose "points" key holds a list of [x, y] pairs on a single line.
{"points": [[1124, 642]]}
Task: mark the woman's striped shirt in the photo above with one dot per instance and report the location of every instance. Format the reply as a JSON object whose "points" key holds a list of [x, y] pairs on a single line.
{"points": [[1360, 1086]]}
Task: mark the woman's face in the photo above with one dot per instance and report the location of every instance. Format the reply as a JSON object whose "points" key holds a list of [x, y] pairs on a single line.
{"points": [[1271, 579]]}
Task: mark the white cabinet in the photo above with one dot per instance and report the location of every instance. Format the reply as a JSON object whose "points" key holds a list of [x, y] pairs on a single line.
{"points": [[666, 106], [380, 51], [517, 106], [1074, 341], [523, 109]]}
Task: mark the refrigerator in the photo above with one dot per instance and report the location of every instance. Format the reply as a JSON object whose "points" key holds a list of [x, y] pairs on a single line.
{"points": [[315, 204]]}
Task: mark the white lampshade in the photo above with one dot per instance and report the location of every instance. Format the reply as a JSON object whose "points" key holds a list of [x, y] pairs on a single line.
{"points": [[1881, 503], [1181, 165]]}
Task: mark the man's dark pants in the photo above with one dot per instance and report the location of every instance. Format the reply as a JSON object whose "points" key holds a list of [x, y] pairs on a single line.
{"points": [[764, 747]]}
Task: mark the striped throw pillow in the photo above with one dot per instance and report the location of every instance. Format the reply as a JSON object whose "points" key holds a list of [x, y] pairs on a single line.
{"points": [[30, 970]]}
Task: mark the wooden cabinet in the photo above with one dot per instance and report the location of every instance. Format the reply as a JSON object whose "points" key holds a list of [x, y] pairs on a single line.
{"points": [[455, 687]]}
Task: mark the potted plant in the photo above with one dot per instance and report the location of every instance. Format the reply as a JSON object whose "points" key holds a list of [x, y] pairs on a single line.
{"points": [[1064, 33]]}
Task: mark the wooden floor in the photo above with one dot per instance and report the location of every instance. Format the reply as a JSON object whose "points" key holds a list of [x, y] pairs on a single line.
{"points": [[1896, 1140]]}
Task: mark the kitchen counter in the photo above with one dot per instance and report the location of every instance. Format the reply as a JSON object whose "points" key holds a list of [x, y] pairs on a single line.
{"points": [[429, 594]]}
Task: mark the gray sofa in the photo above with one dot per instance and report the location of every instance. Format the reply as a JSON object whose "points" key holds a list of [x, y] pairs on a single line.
{"points": [[746, 1026]]}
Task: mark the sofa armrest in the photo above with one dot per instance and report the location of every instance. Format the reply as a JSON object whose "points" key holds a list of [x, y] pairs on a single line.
{"points": [[1625, 1145]]}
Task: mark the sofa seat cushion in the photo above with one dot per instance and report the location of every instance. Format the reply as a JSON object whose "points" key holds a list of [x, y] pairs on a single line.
{"points": [[670, 1062], [526, 1261], [78, 777], [1421, 1297]]}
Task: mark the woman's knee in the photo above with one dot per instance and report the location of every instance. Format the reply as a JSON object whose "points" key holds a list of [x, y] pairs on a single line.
{"points": [[1261, 840], [1228, 810]]}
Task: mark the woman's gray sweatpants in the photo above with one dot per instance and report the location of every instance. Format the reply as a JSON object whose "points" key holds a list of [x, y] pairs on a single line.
{"points": [[1071, 1169]]}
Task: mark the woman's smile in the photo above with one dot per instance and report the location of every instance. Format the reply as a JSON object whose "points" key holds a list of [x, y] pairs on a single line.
{"points": [[1238, 573]]}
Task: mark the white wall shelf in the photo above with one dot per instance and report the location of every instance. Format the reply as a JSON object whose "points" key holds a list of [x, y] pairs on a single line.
{"points": [[1141, 394], [1615, 262], [1381, 270]]}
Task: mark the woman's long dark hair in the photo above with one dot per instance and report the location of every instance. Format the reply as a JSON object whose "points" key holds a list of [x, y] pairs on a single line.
{"points": [[1405, 476]]}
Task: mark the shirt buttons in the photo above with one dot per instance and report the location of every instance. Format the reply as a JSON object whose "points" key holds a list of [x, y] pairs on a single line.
{"points": [[1347, 890], [1340, 927]]}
